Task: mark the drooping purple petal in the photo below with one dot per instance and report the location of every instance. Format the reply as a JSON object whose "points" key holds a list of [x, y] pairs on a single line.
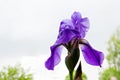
{"points": [[54, 59], [91, 55], [66, 36], [81, 24]]}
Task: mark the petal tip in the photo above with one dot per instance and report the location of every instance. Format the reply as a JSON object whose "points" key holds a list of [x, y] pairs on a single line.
{"points": [[48, 66]]}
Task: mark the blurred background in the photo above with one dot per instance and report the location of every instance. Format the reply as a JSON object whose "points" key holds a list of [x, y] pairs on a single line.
{"points": [[29, 27]]}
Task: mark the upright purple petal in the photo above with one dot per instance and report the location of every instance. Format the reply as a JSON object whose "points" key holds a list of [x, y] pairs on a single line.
{"points": [[66, 24], [81, 24], [54, 59], [91, 55], [76, 17], [85, 23]]}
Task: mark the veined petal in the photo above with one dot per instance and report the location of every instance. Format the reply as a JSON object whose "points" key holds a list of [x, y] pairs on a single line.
{"points": [[83, 27], [85, 23], [76, 17], [54, 59], [91, 56], [81, 24]]}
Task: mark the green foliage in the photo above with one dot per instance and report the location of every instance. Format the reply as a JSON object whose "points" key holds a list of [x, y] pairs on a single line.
{"points": [[113, 58], [114, 50], [83, 76], [108, 73], [14, 73]]}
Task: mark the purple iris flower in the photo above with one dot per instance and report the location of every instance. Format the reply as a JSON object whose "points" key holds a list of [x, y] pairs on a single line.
{"points": [[71, 35]]}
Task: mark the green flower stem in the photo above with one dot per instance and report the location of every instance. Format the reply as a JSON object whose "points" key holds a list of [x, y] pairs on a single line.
{"points": [[71, 75]]}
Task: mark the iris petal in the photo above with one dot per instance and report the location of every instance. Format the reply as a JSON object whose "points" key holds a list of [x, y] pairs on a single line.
{"points": [[91, 55], [81, 24], [85, 23], [66, 24], [76, 16], [66, 36], [54, 59]]}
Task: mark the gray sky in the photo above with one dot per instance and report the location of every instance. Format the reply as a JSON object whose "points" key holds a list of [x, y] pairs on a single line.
{"points": [[29, 27]]}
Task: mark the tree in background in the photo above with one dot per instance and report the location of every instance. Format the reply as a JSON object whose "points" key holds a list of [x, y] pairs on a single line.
{"points": [[113, 57], [110, 72], [15, 73], [84, 77]]}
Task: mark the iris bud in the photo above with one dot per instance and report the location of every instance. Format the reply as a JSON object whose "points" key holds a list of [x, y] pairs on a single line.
{"points": [[72, 59]]}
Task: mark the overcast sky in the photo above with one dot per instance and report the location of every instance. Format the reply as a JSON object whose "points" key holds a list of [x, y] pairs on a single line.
{"points": [[30, 27]]}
